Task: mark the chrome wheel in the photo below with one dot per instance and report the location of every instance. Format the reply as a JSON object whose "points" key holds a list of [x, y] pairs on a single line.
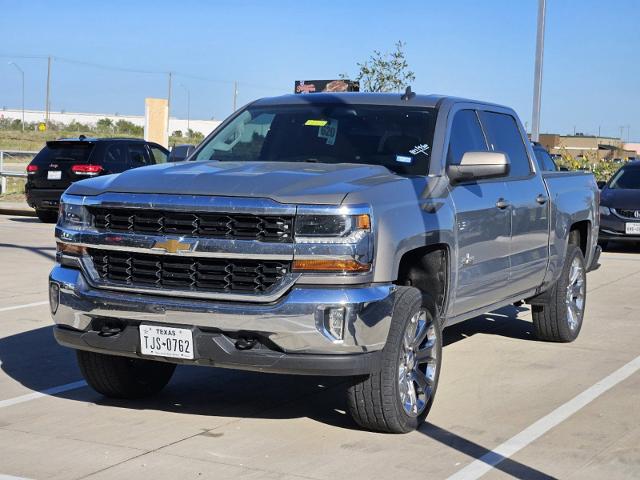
{"points": [[418, 364], [575, 294]]}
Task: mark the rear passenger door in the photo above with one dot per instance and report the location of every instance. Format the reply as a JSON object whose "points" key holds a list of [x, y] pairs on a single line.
{"points": [[482, 223], [527, 197]]}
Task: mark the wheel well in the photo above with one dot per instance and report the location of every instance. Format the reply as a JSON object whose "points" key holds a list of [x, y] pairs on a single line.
{"points": [[579, 235], [427, 269]]}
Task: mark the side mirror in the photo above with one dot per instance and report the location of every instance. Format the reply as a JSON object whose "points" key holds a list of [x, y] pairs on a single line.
{"points": [[479, 166], [601, 184]]}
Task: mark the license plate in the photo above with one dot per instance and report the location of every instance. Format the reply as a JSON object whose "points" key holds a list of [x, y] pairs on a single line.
{"points": [[54, 175], [166, 341], [632, 228]]}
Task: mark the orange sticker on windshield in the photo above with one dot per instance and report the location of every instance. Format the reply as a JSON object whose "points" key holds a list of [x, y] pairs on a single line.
{"points": [[315, 123]]}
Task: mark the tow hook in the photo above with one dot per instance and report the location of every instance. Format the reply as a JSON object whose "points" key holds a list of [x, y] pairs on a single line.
{"points": [[245, 343]]}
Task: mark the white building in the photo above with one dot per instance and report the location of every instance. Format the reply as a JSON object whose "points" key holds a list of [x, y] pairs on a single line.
{"points": [[203, 126]]}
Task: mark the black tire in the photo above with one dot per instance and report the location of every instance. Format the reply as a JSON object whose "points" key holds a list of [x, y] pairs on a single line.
{"points": [[375, 401], [552, 320], [47, 216], [122, 377]]}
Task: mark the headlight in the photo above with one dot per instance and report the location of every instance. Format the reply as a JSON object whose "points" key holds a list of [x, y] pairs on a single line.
{"points": [[73, 216], [330, 227], [605, 210], [333, 242]]}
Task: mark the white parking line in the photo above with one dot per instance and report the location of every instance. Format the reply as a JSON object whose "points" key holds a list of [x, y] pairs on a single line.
{"points": [[11, 477], [26, 305], [482, 465], [49, 391]]}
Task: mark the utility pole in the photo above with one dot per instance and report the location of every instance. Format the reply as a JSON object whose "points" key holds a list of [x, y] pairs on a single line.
{"points": [[48, 101], [21, 73], [169, 105], [628, 132], [235, 95], [537, 77]]}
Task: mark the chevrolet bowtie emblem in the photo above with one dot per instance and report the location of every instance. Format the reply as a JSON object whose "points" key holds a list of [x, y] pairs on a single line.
{"points": [[172, 246]]}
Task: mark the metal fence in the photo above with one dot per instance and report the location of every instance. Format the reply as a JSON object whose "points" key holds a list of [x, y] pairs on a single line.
{"points": [[13, 158]]}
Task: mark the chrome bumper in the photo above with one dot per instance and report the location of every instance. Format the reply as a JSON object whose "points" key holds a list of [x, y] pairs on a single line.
{"points": [[294, 323]]}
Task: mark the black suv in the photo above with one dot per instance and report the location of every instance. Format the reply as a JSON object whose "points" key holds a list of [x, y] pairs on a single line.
{"points": [[62, 162]]}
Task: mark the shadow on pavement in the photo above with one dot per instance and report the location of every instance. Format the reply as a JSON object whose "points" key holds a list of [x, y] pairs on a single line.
{"points": [[34, 359], [42, 251], [473, 450]]}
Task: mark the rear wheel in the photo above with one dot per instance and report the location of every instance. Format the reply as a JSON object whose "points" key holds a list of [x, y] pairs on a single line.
{"points": [[47, 216], [398, 398], [559, 318], [122, 377]]}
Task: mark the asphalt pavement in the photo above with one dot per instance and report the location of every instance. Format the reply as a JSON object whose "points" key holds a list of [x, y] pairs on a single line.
{"points": [[508, 406]]}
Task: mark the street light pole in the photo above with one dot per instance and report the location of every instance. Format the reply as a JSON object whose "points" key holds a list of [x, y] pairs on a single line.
{"points": [[537, 79], [22, 74], [188, 105]]}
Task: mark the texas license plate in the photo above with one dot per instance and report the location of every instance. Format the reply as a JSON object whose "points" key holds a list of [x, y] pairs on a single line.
{"points": [[166, 341], [54, 175], [632, 228]]}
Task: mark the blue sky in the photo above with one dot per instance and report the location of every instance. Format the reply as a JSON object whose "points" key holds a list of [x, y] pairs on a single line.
{"points": [[478, 49]]}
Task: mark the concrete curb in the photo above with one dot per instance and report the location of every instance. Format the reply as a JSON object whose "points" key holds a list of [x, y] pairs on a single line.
{"points": [[17, 209]]}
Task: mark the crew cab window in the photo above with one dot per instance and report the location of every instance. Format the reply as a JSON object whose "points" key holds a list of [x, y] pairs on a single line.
{"points": [[466, 136], [504, 136], [545, 162]]}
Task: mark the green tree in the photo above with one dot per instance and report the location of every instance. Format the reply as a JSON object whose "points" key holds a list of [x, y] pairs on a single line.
{"points": [[104, 124], [177, 133], [127, 127], [385, 72]]}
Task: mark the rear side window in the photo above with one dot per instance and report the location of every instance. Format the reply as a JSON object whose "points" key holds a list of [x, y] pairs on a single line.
{"points": [[116, 154], [504, 136], [138, 155], [57, 152], [466, 136]]}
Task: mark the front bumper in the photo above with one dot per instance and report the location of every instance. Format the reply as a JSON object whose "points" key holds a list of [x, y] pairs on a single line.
{"points": [[291, 332], [612, 227]]}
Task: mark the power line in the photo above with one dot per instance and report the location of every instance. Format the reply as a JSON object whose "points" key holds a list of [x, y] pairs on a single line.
{"points": [[142, 71]]}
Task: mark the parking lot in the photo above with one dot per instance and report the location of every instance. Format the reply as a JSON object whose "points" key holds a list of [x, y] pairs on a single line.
{"points": [[507, 405]]}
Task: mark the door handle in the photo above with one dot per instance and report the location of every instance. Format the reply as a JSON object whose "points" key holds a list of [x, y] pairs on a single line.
{"points": [[502, 204], [541, 199]]}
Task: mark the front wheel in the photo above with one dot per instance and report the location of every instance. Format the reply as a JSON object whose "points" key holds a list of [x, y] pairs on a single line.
{"points": [[398, 398], [123, 377], [559, 318]]}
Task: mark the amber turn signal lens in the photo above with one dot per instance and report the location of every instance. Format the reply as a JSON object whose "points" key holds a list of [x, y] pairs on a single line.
{"points": [[363, 222], [70, 248], [329, 266]]}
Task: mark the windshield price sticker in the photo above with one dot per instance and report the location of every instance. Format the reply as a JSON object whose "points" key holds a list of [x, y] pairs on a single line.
{"points": [[329, 132]]}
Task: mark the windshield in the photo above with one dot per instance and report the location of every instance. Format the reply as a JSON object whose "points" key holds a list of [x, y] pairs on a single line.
{"points": [[626, 178], [398, 138]]}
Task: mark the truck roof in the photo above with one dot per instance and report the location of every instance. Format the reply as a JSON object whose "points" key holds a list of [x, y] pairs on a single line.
{"points": [[362, 98]]}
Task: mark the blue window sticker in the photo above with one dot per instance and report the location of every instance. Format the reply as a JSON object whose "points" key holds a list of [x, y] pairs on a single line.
{"points": [[403, 159]]}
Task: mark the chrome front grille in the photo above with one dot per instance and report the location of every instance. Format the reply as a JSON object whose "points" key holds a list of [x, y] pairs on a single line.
{"points": [[627, 213], [265, 228], [186, 273]]}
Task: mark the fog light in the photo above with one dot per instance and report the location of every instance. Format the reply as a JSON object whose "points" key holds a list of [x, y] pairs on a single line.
{"points": [[334, 322], [54, 297]]}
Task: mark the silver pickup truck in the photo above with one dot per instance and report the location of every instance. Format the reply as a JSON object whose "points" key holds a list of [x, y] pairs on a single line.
{"points": [[322, 234]]}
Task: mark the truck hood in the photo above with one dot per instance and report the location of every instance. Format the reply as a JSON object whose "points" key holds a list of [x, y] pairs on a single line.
{"points": [[285, 182], [620, 198]]}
